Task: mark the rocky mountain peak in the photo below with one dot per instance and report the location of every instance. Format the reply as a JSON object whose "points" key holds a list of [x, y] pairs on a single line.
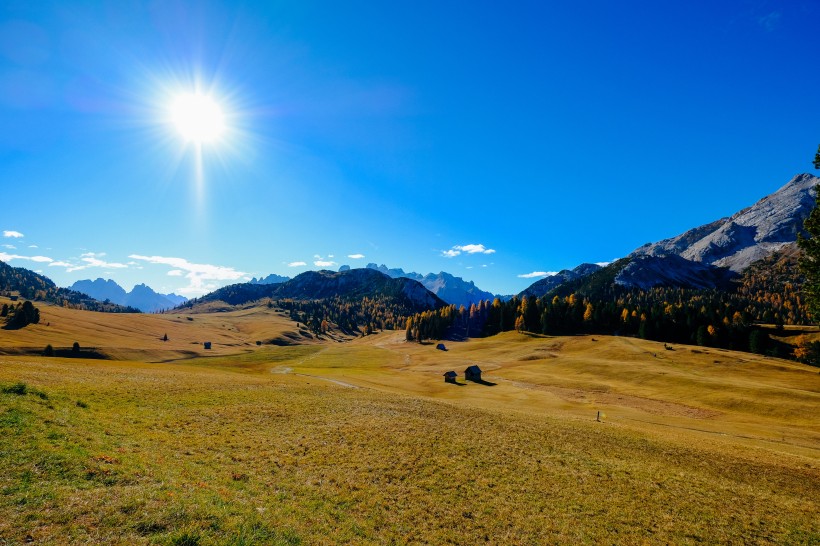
{"points": [[747, 236]]}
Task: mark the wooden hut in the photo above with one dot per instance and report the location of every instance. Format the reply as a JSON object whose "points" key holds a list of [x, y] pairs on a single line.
{"points": [[207, 344], [441, 347], [450, 377], [472, 373]]}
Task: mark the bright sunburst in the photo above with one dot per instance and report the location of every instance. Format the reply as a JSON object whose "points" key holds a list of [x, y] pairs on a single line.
{"points": [[198, 118]]}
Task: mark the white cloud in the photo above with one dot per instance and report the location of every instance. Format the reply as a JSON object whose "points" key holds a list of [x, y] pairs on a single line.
{"points": [[317, 256], [331, 256], [6, 257], [297, 264], [467, 249], [535, 274], [176, 273], [355, 256], [33, 246], [323, 263], [474, 249], [12, 234], [59, 264], [92, 259], [10, 247], [200, 277], [603, 264]]}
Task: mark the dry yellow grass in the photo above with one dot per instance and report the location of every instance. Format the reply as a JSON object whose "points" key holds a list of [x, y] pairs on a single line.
{"points": [[363, 443], [139, 336]]}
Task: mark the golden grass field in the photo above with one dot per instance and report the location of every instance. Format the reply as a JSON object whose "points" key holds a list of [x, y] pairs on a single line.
{"points": [[363, 443]]}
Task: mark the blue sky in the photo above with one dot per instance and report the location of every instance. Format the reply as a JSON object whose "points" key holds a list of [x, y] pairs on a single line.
{"points": [[490, 141]]}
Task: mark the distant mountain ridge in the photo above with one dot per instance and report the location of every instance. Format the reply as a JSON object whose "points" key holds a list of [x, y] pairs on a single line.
{"points": [[273, 278], [452, 289], [318, 285], [141, 297]]}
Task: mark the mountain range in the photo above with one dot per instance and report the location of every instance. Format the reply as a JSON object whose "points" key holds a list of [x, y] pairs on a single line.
{"points": [[317, 285], [141, 297], [453, 290], [708, 256]]}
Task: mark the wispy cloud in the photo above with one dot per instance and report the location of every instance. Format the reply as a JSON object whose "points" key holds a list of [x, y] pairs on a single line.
{"points": [[355, 256], [467, 249], [10, 247], [603, 264], [6, 257], [12, 234], [770, 21], [297, 264], [89, 260], [536, 274], [176, 273], [202, 278]]}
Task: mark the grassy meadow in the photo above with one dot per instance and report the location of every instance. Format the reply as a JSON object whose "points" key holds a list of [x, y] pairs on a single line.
{"points": [[363, 442]]}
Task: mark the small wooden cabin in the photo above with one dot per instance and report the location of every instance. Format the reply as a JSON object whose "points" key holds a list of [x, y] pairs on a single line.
{"points": [[472, 373], [450, 377], [207, 345], [441, 347]]}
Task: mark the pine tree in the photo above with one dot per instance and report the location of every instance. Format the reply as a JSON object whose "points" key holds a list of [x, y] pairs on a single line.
{"points": [[810, 260]]}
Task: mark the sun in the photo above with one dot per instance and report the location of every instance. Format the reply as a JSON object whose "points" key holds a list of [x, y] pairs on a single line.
{"points": [[198, 118]]}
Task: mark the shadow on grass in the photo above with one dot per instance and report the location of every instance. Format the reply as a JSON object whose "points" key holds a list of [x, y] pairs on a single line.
{"points": [[483, 382], [456, 383]]}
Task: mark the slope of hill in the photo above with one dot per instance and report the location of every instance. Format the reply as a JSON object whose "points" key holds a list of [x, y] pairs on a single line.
{"points": [[352, 284], [357, 284], [141, 296], [747, 236], [142, 336], [648, 271], [547, 284], [33, 286]]}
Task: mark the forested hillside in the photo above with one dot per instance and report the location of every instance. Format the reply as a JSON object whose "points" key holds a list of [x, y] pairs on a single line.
{"points": [[33, 286]]}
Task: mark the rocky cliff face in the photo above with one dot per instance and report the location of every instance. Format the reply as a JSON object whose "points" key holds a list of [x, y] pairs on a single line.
{"points": [[747, 236]]}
